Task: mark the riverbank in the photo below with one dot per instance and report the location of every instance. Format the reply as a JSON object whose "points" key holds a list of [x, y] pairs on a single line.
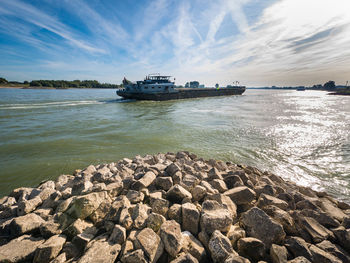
{"points": [[344, 92], [172, 208]]}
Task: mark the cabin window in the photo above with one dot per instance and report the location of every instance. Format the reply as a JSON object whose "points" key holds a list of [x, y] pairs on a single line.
{"points": [[146, 87], [152, 87], [159, 87]]}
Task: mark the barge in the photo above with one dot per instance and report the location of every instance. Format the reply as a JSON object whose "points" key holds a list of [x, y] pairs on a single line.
{"points": [[159, 88]]}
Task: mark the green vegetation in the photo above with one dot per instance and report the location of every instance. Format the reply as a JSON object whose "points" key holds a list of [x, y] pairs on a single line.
{"points": [[3, 81], [94, 84], [330, 85]]}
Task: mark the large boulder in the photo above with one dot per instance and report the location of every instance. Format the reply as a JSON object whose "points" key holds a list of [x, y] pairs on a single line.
{"points": [[298, 247], [25, 224], [193, 246], [177, 193], [321, 256], [220, 247], [259, 225], [170, 233], [278, 254], [49, 249], [190, 218], [241, 195], [215, 217], [251, 248], [20, 249], [100, 251], [265, 200], [317, 232], [150, 243]]}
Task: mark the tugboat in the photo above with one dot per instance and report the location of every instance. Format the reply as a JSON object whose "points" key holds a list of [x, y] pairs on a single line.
{"points": [[158, 88]]}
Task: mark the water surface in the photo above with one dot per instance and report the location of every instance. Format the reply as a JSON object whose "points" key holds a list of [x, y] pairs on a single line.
{"points": [[301, 136]]}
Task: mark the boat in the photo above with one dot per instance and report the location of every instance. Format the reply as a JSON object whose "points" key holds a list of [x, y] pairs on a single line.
{"points": [[158, 88]]}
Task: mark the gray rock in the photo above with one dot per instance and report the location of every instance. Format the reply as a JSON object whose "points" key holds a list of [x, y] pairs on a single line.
{"points": [[241, 195], [115, 188], [220, 247], [215, 216], [118, 235], [233, 181], [27, 206], [170, 233], [177, 193], [77, 227], [282, 217], [190, 218], [259, 225], [140, 214], [100, 252], [175, 213], [198, 193], [298, 247], [135, 196], [332, 210], [234, 234], [60, 258], [193, 246], [155, 221], [172, 169], [219, 185], [20, 249], [317, 232], [150, 243], [146, 180], [50, 228], [335, 250], [49, 249], [299, 260], [159, 205], [164, 183], [214, 174], [318, 255], [343, 237], [7, 201], [185, 258], [136, 256], [25, 224], [278, 254], [82, 187], [251, 248], [265, 200], [237, 259]]}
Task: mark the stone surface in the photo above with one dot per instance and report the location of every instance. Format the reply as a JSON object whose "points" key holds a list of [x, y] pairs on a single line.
{"points": [[215, 216], [190, 218], [193, 246], [317, 232], [279, 254], [251, 248], [234, 234], [27, 206], [20, 249], [265, 200], [140, 215], [259, 225], [335, 250], [299, 260], [175, 213], [185, 258], [136, 256], [100, 252], [298, 247], [25, 224], [177, 193], [49, 249], [118, 235], [220, 247], [164, 183], [319, 255], [150, 243], [241, 195], [155, 221], [170, 233]]}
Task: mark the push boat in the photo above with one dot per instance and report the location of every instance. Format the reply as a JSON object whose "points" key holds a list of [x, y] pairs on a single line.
{"points": [[156, 87]]}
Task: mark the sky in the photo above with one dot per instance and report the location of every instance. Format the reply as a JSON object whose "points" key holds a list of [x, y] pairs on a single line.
{"points": [[255, 42]]}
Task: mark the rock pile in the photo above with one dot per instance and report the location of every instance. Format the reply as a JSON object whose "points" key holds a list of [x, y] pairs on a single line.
{"points": [[172, 208]]}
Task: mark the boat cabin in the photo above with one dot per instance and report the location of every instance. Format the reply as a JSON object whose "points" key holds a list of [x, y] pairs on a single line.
{"points": [[152, 84]]}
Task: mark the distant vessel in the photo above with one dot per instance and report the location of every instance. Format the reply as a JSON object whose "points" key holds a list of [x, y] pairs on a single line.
{"points": [[301, 88], [158, 88]]}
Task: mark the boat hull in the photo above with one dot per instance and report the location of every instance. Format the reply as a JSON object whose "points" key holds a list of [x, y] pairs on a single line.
{"points": [[182, 94]]}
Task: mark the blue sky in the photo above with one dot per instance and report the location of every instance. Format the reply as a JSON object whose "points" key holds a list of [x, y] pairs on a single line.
{"points": [[257, 42]]}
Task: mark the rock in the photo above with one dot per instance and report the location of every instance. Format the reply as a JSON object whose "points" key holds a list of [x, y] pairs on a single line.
{"points": [[190, 218], [215, 217], [299, 260], [170, 233], [251, 248], [257, 223], [159, 205], [220, 247], [81, 188], [321, 217], [318, 255], [164, 183], [208, 187], [82, 240], [175, 213], [198, 193], [136, 256], [140, 214], [335, 250], [115, 188], [100, 213], [233, 181], [204, 239], [60, 258], [77, 227], [25, 224], [214, 174], [155, 221], [7, 201], [49, 249], [150, 243], [118, 235], [20, 249], [278, 254], [49, 228], [27, 206], [100, 252], [85, 205], [71, 251], [193, 246], [172, 169], [219, 185], [135, 196], [145, 181], [328, 207], [282, 217], [316, 230], [298, 247], [241, 195], [177, 193], [234, 234], [265, 200], [343, 237], [225, 201], [185, 258], [237, 259]]}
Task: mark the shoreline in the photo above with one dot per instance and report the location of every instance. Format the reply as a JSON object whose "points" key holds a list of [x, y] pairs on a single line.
{"points": [[171, 208], [22, 87]]}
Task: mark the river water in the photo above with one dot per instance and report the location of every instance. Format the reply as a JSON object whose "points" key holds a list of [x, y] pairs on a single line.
{"points": [[301, 136]]}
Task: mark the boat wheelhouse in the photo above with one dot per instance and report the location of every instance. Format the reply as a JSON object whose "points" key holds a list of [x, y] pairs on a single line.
{"points": [[153, 83]]}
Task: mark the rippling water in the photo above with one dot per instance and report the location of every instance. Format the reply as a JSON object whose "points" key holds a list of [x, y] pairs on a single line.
{"points": [[301, 136]]}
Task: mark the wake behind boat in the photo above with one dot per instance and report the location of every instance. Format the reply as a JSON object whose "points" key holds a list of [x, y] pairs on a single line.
{"points": [[156, 87]]}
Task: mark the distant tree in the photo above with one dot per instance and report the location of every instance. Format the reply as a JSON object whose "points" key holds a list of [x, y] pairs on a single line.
{"points": [[25, 82], [3, 81], [329, 85]]}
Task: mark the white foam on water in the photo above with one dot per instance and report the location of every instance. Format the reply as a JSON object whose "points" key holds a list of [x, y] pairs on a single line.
{"points": [[49, 104]]}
